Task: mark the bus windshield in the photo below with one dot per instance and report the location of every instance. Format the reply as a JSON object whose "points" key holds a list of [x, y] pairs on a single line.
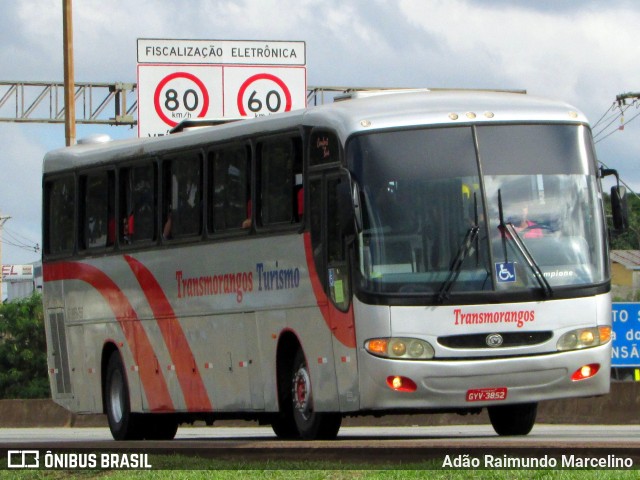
{"points": [[454, 210]]}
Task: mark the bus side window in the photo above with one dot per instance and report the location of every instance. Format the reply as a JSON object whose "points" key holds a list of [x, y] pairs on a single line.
{"points": [[229, 189], [60, 212], [182, 196], [137, 204], [98, 222], [280, 181]]}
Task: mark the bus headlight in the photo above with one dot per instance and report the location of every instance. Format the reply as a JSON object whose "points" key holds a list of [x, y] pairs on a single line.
{"points": [[399, 348], [584, 338]]}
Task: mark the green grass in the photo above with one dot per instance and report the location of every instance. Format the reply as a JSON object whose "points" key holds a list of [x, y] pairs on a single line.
{"points": [[325, 475], [183, 467]]}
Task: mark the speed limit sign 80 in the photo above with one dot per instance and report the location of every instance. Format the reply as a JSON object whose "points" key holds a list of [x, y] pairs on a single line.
{"points": [[180, 95], [168, 95]]}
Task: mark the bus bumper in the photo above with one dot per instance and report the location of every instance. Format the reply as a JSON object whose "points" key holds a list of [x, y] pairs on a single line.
{"points": [[474, 383]]}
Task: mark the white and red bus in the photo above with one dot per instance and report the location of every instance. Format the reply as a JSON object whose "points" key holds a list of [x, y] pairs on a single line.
{"points": [[402, 253]]}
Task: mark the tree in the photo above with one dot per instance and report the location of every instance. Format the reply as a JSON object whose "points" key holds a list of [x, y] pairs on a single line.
{"points": [[630, 239], [23, 354]]}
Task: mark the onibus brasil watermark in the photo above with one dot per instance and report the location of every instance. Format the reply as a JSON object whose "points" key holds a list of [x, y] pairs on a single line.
{"points": [[35, 459]]}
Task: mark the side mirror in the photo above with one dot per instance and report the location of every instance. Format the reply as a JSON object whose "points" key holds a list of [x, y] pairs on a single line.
{"points": [[619, 209]]}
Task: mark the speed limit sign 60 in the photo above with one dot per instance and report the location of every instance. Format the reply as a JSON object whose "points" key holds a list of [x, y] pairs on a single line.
{"points": [[259, 93], [263, 93]]}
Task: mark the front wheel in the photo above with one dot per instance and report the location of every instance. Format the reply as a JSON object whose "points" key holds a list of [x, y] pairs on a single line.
{"points": [[509, 420], [311, 425]]}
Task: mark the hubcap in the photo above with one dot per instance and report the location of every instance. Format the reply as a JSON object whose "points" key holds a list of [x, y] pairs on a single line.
{"points": [[302, 392]]}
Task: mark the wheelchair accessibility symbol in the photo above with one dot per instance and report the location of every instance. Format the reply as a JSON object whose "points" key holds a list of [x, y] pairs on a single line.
{"points": [[506, 272]]}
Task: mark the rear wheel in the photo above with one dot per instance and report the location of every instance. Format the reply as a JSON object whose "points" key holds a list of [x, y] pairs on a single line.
{"points": [[509, 420], [123, 424]]}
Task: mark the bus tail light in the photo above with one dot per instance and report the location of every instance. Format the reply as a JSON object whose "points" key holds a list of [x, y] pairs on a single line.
{"points": [[584, 338], [401, 384], [399, 348], [585, 371]]}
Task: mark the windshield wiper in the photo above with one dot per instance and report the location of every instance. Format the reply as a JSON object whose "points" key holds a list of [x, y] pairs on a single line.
{"points": [[471, 238], [508, 231], [456, 264]]}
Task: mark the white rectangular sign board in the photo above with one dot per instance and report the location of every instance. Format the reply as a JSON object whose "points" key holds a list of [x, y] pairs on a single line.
{"points": [[191, 79], [17, 272], [227, 52]]}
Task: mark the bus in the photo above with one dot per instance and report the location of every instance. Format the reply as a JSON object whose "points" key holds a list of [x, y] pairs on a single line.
{"points": [[413, 252]]}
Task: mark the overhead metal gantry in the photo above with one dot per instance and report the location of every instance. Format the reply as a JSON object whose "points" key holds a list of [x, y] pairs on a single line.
{"points": [[43, 102], [98, 103]]}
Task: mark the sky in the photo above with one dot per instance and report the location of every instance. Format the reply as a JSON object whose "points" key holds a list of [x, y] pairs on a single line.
{"points": [[584, 52]]}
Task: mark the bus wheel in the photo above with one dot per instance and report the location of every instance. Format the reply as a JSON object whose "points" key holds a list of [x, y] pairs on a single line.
{"points": [[311, 425], [513, 419], [160, 427], [284, 427], [123, 424], [283, 424]]}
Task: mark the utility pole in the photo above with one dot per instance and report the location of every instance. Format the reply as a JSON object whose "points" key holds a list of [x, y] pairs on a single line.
{"points": [[69, 86], [623, 97], [2, 221]]}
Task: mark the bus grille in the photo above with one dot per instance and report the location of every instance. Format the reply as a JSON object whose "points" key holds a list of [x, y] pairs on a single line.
{"points": [[481, 340]]}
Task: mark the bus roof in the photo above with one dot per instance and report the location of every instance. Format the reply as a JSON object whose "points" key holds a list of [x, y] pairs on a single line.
{"points": [[369, 113]]}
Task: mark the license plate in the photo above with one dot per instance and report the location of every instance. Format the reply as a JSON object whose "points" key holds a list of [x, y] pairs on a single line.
{"points": [[486, 394]]}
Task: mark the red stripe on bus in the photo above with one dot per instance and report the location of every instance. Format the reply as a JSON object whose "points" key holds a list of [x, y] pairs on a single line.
{"points": [[340, 323], [154, 385], [193, 389]]}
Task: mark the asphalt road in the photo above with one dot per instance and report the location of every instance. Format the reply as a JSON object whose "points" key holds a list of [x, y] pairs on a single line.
{"points": [[468, 435], [379, 443]]}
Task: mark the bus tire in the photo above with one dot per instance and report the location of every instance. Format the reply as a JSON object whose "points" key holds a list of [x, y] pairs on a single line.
{"points": [[311, 425], [509, 420], [160, 426], [284, 427], [282, 423], [123, 424]]}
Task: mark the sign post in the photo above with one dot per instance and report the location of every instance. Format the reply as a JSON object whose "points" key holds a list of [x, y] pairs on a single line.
{"points": [[216, 79]]}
